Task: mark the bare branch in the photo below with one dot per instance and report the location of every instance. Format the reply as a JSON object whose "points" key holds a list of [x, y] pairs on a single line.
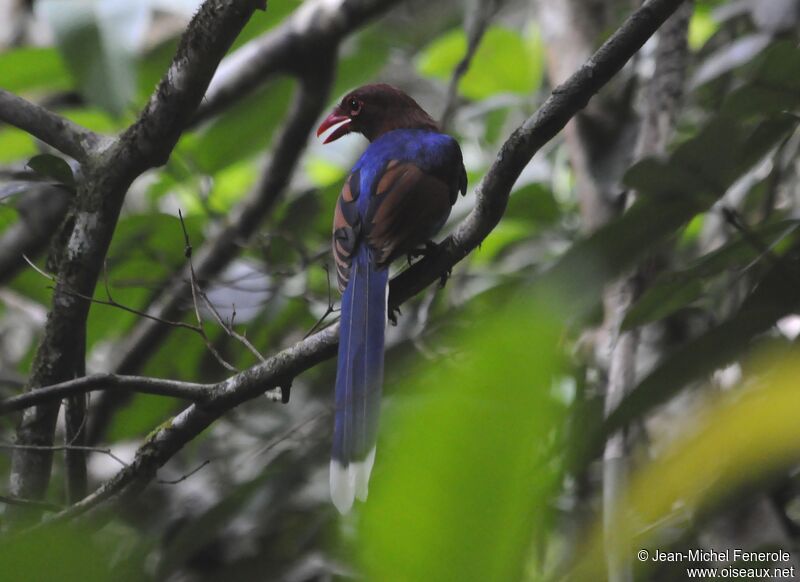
{"points": [[54, 130], [493, 194], [294, 46], [167, 114], [328, 310], [41, 209], [66, 448], [228, 328], [31, 503], [183, 478], [143, 384]]}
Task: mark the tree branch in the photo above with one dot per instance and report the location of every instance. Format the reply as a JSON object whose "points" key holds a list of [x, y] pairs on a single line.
{"points": [[143, 384], [212, 257], [476, 24], [305, 45], [31, 503], [41, 210], [80, 252], [565, 101], [493, 193], [174, 102], [54, 130], [295, 46], [664, 98]]}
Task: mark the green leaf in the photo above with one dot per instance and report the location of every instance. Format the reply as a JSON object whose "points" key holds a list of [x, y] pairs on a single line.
{"points": [[739, 440], [140, 415], [51, 166], [231, 185], [674, 291], [362, 62], [15, 145], [145, 250], [534, 203], [675, 191], [27, 69], [323, 172], [774, 297], [74, 553], [508, 232], [96, 50], [742, 250], [701, 27], [774, 86], [662, 299], [703, 168], [464, 473], [241, 131], [505, 62]]}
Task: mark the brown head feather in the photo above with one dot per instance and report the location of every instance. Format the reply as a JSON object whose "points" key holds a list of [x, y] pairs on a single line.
{"points": [[375, 109]]}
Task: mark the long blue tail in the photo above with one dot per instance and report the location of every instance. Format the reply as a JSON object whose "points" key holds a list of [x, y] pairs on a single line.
{"points": [[359, 378]]}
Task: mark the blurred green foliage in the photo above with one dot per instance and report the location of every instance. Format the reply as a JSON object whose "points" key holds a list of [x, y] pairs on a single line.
{"points": [[505, 62], [466, 465]]}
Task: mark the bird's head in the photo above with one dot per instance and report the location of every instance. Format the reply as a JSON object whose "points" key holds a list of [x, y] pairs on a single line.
{"points": [[373, 110]]}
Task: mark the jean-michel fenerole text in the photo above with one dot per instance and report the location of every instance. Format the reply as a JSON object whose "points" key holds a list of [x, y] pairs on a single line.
{"points": [[728, 555]]}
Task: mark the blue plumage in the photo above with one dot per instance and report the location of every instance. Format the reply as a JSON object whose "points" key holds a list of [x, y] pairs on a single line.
{"points": [[397, 196]]}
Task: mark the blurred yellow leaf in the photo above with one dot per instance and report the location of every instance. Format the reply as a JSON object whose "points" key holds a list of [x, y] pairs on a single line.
{"points": [[744, 437]]}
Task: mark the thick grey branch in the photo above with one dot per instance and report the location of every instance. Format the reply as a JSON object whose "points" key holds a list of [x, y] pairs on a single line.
{"points": [[493, 193], [208, 38], [62, 134]]}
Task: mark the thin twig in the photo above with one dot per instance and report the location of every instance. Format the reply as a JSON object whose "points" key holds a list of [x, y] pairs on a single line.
{"points": [[476, 26], [183, 478], [143, 384], [33, 503], [229, 328], [110, 302], [329, 309], [59, 132], [187, 252], [86, 449], [138, 312], [38, 270]]}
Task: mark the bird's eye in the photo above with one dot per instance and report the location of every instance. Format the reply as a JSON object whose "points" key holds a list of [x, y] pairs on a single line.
{"points": [[355, 106]]}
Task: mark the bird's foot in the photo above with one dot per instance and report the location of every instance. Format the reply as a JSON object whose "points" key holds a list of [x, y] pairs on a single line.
{"points": [[429, 248], [394, 311], [444, 277], [286, 391]]}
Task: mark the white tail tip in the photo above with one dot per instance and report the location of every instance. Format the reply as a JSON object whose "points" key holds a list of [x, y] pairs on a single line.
{"points": [[350, 482]]}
